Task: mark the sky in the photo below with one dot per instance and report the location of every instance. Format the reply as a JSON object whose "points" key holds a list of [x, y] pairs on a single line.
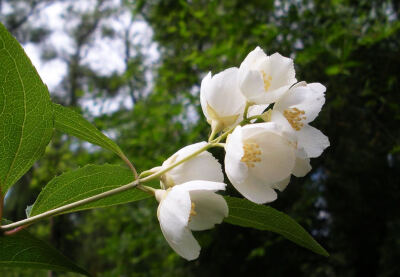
{"points": [[104, 55]]}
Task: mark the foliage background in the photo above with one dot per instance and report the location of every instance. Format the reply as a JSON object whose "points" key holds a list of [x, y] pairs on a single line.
{"points": [[349, 202]]}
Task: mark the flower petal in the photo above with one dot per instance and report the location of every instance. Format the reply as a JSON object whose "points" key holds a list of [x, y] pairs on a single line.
{"points": [[186, 245], [301, 167], [256, 110], [173, 211], [234, 168], [252, 86], [308, 98], [202, 167], [312, 141], [198, 185], [277, 151], [275, 155], [253, 58], [173, 215], [281, 186], [274, 95], [255, 190], [277, 158], [203, 88], [257, 129], [210, 209], [278, 118], [282, 71], [222, 94]]}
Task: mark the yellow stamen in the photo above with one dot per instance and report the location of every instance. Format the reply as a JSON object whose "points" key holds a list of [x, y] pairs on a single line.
{"points": [[295, 116], [192, 211], [267, 80], [252, 154]]}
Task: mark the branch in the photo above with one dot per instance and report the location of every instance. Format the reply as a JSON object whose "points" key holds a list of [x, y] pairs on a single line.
{"points": [[69, 206]]}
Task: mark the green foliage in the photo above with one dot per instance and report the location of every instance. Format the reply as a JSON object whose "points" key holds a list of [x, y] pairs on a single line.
{"points": [[126, 240], [83, 183], [26, 117], [247, 214], [70, 122], [24, 250]]}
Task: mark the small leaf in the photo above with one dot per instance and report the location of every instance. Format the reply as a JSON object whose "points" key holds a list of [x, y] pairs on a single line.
{"points": [[247, 214], [26, 114], [83, 183], [70, 122], [26, 251]]}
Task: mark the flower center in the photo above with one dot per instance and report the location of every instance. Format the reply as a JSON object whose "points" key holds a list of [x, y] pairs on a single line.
{"points": [[192, 211], [295, 116], [252, 154], [267, 80]]}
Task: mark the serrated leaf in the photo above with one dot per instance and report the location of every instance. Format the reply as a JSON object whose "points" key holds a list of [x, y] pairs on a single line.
{"points": [[26, 114], [83, 183], [26, 251], [70, 122], [247, 214]]}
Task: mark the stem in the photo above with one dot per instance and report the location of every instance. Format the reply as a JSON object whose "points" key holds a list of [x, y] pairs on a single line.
{"points": [[149, 172], [15, 230], [33, 219], [219, 145], [224, 135], [252, 117], [69, 206], [133, 169], [216, 127], [246, 110], [216, 141], [147, 189], [213, 133]]}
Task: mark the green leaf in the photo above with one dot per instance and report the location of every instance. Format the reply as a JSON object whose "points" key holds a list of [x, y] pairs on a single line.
{"points": [[26, 251], [334, 69], [83, 183], [247, 214], [72, 123], [26, 114]]}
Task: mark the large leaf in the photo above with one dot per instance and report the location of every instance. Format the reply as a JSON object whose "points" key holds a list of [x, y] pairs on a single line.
{"points": [[247, 214], [26, 251], [70, 122], [26, 114], [83, 183]]}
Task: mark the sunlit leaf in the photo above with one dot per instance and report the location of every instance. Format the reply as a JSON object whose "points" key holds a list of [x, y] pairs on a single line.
{"points": [[70, 122], [26, 114], [83, 183]]}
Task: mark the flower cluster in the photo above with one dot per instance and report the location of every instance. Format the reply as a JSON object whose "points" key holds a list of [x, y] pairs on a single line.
{"points": [[264, 114]]}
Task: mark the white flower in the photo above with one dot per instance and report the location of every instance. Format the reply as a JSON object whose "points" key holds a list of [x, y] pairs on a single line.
{"points": [[264, 79], [260, 158], [298, 107], [221, 100], [256, 110], [191, 206], [202, 167]]}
